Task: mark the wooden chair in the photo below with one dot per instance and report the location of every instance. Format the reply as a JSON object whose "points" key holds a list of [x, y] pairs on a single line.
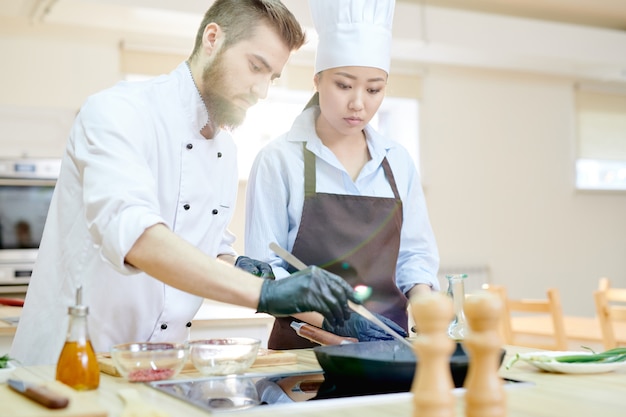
{"points": [[604, 283], [527, 308], [611, 312]]}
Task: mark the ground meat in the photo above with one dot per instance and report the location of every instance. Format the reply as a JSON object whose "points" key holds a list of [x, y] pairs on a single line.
{"points": [[146, 375]]}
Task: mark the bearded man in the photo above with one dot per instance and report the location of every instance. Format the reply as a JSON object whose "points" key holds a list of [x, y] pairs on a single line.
{"points": [[146, 191]]}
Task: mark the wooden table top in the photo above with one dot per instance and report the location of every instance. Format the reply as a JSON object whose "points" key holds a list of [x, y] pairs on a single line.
{"points": [[576, 328], [549, 395]]}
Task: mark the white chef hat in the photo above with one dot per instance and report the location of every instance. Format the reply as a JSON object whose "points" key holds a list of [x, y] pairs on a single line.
{"points": [[353, 33]]}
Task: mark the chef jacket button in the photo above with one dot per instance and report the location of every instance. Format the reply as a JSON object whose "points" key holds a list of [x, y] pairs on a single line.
{"points": [[188, 324], [186, 206], [219, 154], [163, 326], [215, 211], [189, 146]]}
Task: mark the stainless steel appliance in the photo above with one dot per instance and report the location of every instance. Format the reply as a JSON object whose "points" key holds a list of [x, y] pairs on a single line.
{"points": [[26, 187], [239, 392]]}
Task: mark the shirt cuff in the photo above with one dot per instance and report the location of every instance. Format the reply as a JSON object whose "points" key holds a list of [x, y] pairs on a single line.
{"points": [[122, 235]]}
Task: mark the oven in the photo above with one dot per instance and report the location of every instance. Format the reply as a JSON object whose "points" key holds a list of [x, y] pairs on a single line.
{"points": [[26, 188]]}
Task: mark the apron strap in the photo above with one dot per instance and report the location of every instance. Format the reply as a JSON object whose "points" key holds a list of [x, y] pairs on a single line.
{"points": [[390, 178], [309, 172]]}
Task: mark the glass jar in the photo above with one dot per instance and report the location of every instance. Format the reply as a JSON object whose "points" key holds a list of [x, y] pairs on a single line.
{"points": [[457, 329], [77, 365]]}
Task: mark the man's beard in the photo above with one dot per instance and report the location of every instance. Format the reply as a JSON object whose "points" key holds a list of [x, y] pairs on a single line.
{"points": [[222, 112]]}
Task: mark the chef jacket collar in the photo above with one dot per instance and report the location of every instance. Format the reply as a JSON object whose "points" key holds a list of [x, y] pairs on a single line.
{"points": [[191, 101]]}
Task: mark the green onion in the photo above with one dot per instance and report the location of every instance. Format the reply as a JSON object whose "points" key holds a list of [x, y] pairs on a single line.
{"points": [[617, 358], [609, 356], [4, 360]]}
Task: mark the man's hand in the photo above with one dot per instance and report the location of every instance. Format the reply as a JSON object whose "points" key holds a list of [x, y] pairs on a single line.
{"points": [[312, 289], [255, 267]]}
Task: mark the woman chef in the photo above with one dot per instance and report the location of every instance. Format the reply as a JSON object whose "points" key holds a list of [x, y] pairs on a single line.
{"points": [[343, 196]]}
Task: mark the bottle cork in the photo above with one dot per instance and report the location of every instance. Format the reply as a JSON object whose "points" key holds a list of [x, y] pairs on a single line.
{"points": [[432, 384], [485, 396]]}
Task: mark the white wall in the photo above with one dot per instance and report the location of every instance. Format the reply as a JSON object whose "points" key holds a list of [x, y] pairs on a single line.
{"points": [[497, 150], [50, 70]]}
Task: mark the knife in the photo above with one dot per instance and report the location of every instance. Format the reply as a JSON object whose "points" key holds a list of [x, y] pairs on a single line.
{"points": [[39, 394]]}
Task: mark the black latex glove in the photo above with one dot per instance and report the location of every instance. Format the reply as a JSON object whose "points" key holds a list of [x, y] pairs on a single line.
{"points": [[359, 327], [312, 289], [255, 267]]}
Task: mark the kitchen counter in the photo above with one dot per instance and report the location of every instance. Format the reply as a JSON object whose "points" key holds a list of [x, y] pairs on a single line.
{"points": [[549, 395], [8, 320], [10, 314]]}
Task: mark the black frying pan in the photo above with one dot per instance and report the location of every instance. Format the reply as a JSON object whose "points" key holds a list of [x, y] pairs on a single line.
{"points": [[385, 366]]}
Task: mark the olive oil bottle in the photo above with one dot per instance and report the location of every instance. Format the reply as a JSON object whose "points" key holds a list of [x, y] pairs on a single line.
{"points": [[77, 365]]}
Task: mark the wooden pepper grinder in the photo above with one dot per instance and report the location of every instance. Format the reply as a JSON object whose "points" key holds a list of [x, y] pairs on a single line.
{"points": [[485, 396], [432, 384]]}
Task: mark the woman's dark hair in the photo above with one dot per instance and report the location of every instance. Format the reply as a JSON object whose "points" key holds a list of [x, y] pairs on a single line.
{"points": [[313, 101]]}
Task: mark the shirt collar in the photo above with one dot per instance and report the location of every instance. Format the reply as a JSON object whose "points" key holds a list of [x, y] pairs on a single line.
{"points": [[303, 130]]}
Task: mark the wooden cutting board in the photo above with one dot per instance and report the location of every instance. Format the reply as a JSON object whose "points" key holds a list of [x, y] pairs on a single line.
{"points": [[82, 404], [265, 357]]}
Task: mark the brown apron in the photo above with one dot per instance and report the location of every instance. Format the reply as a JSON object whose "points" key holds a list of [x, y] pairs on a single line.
{"points": [[355, 237]]}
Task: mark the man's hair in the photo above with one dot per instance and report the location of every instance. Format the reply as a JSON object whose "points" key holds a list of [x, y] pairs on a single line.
{"points": [[239, 18]]}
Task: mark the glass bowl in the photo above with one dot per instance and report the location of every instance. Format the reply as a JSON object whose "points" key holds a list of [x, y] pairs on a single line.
{"points": [[223, 356], [149, 361], [224, 393]]}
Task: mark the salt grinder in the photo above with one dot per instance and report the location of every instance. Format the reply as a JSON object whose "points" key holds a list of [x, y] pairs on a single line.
{"points": [[485, 396], [432, 385]]}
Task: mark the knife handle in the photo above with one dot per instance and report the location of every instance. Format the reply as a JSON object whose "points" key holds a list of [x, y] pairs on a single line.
{"points": [[46, 397], [16, 302]]}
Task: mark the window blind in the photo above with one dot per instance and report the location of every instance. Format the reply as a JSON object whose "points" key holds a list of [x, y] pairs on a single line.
{"points": [[601, 125]]}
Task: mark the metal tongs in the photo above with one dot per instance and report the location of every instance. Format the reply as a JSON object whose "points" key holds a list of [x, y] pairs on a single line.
{"points": [[357, 308]]}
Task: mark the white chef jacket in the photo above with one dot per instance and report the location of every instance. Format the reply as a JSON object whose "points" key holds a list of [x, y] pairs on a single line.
{"points": [[275, 197], [134, 158]]}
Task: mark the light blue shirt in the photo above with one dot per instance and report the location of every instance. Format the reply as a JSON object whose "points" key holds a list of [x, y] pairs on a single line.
{"points": [[275, 197]]}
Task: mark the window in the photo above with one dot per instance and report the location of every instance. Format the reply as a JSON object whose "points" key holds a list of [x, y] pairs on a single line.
{"points": [[265, 121], [397, 119], [601, 128]]}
